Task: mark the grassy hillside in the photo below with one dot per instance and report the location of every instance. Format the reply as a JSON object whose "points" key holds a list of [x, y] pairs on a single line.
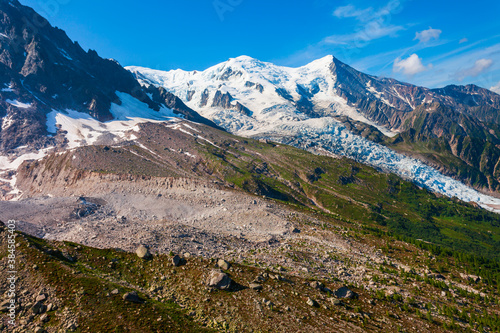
{"points": [[84, 287], [338, 188]]}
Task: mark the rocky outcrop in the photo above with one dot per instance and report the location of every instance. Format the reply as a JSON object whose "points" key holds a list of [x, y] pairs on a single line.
{"points": [[222, 100], [204, 98], [242, 109]]}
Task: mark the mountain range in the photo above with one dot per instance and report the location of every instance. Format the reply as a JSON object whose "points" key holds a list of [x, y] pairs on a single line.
{"points": [[454, 129], [246, 197]]}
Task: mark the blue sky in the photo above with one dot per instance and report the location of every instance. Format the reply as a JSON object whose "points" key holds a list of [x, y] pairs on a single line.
{"points": [[429, 43]]}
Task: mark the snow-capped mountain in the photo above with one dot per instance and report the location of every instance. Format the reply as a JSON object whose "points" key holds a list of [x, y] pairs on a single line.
{"points": [[325, 87], [300, 106], [260, 92]]}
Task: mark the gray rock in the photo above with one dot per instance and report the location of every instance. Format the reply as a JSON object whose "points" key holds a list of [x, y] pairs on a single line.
{"points": [[176, 261], [69, 257], [41, 298], [44, 318], [51, 307], [39, 308], [143, 252], [223, 264], [317, 285], [39, 329], [344, 292], [335, 301], [219, 280], [260, 278], [115, 292], [267, 302], [71, 327], [312, 302], [132, 297], [255, 286]]}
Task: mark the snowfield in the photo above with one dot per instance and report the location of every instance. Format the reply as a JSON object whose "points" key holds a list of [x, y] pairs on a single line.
{"points": [[275, 117], [82, 129]]}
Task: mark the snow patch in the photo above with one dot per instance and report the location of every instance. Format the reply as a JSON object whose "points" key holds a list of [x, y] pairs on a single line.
{"points": [[65, 54], [7, 121], [8, 89], [18, 104]]}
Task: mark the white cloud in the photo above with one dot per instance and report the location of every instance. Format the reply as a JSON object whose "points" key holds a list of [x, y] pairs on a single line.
{"points": [[480, 67], [372, 30], [372, 24], [427, 35], [463, 40], [496, 88], [410, 66], [447, 65], [351, 11]]}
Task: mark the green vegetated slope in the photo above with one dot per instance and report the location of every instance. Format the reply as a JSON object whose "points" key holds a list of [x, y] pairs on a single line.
{"points": [[458, 144], [338, 187], [84, 291], [74, 280]]}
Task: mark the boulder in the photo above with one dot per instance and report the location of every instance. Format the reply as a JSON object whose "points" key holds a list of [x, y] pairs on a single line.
{"points": [[317, 285], [223, 264], [345, 292], [132, 297], [51, 307], [219, 280], [255, 286], [176, 260], [143, 252], [335, 301], [39, 308], [41, 298], [312, 302]]}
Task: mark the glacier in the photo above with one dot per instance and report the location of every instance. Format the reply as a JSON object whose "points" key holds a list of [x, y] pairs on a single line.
{"points": [[276, 118]]}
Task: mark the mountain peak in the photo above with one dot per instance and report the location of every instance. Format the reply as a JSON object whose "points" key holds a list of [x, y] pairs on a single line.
{"points": [[243, 58], [321, 63], [243, 61]]}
